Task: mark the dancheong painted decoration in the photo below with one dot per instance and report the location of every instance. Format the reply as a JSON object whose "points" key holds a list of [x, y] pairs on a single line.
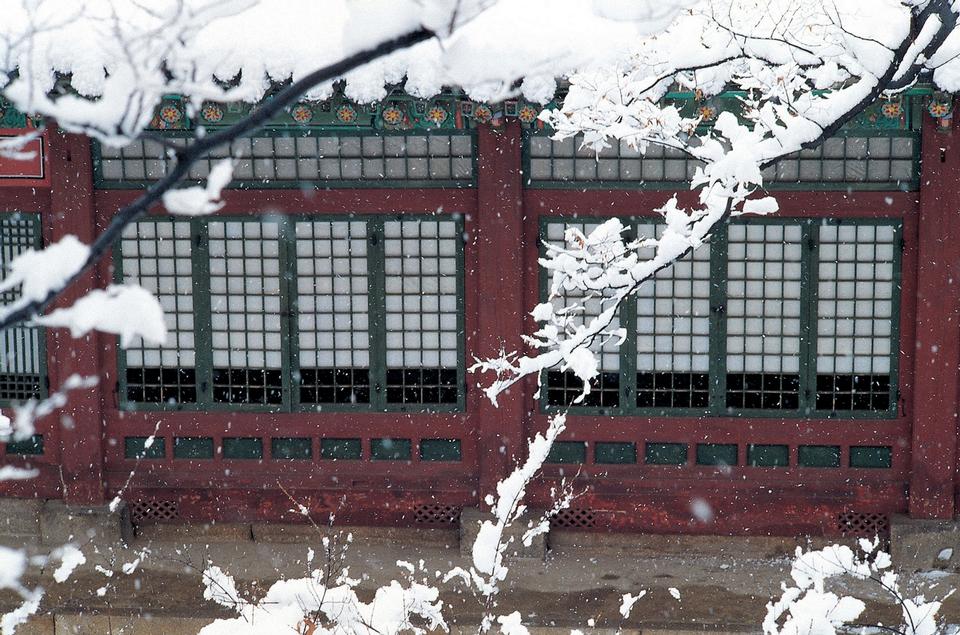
{"points": [[320, 324]]}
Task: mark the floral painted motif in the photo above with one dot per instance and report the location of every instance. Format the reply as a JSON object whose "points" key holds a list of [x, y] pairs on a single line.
{"points": [[302, 114], [346, 114], [170, 114], [482, 114], [939, 108], [212, 113], [392, 115], [436, 115], [527, 114], [892, 109], [707, 112]]}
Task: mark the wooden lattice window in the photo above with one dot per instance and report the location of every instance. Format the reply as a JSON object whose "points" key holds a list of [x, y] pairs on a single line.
{"points": [[291, 158], [786, 317], [22, 362], [286, 314], [858, 159]]}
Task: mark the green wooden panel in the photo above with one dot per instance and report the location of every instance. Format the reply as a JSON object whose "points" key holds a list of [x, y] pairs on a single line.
{"points": [[345, 449], [567, 452], [242, 448], [768, 456], [440, 450], [136, 448], [716, 454], [31, 446], [291, 448], [192, 448], [871, 456], [818, 456], [390, 449], [665, 453], [614, 453]]}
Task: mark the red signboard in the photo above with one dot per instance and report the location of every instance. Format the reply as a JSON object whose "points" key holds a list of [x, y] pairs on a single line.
{"points": [[29, 166]]}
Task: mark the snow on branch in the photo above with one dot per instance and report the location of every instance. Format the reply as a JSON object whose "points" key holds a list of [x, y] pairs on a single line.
{"points": [[325, 601], [127, 310], [804, 71], [810, 606], [35, 303], [197, 200], [36, 273]]}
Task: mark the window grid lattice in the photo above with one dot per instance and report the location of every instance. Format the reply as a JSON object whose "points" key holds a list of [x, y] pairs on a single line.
{"points": [[763, 316], [849, 159], [564, 387], [673, 331], [855, 298], [764, 287], [421, 311], [245, 313], [279, 160], [843, 159], [21, 359], [156, 254], [333, 312]]}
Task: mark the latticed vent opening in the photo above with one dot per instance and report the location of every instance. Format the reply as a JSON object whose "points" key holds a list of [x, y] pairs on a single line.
{"points": [[436, 514], [152, 510], [864, 525], [574, 519]]}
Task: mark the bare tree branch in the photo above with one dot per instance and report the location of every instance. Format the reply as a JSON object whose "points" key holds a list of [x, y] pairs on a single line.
{"points": [[199, 148]]}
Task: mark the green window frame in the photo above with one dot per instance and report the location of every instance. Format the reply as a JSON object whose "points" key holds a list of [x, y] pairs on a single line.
{"points": [[277, 158], [857, 158], [773, 317], [23, 359], [299, 313]]}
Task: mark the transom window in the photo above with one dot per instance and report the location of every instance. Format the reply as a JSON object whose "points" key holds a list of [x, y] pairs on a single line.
{"points": [[22, 361], [866, 159], [277, 159], [771, 316], [299, 313]]}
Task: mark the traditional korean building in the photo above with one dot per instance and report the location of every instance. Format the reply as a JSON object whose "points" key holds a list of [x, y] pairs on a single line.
{"points": [[798, 375]]}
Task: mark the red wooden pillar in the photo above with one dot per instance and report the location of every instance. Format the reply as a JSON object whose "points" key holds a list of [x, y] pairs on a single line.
{"points": [[934, 445], [500, 276], [72, 212]]}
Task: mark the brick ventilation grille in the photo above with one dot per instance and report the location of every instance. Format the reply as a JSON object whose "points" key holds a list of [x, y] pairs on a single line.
{"points": [[436, 515], [574, 519], [154, 511], [864, 525]]}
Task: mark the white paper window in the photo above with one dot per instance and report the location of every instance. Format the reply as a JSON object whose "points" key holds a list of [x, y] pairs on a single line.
{"points": [[422, 335], [564, 387], [438, 157], [855, 303], [245, 311], [673, 330], [763, 315], [333, 311], [156, 254], [889, 160]]}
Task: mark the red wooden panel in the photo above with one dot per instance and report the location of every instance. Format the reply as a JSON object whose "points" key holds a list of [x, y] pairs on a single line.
{"points": [[29, 170], [933, 480]]}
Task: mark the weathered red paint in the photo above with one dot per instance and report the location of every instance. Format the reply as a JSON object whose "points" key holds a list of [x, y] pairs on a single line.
{"points": [[71, 212], [501, 222], [937, 352], [499, 244]]}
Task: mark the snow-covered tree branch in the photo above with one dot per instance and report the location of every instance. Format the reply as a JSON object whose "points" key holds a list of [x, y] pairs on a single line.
{"points": [[803, 72], [101, 68]]}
